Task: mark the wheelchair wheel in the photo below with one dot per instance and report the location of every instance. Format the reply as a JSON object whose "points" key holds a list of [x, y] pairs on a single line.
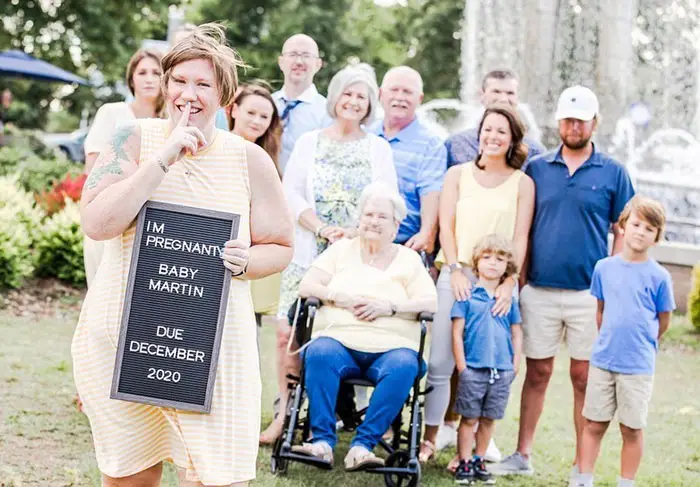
{"points": [[400, 459]]}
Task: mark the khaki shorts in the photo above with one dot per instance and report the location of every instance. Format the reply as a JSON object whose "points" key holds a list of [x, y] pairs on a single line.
{"points": [[550, 315], [628, 394]]}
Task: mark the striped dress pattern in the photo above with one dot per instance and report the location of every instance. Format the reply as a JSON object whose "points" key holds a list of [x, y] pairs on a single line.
{"points": [[216, 448]]}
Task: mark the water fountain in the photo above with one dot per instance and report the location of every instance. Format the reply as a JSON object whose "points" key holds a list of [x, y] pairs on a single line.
{"points": [[627, 51]]}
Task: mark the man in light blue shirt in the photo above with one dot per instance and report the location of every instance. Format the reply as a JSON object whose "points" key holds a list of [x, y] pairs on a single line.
{"points": [[420, 156], [301, 107]]}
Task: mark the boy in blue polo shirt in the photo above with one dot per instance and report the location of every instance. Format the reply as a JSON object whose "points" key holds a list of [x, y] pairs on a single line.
{"points": [[635, 301], [487, 352]]}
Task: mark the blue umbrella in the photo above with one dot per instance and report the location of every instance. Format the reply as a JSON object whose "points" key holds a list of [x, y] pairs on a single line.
{"points": [[18, 63]]}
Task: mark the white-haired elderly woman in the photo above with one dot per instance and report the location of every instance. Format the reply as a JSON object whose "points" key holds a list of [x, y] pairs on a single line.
{"points": [[372, 290], [324, 177]]}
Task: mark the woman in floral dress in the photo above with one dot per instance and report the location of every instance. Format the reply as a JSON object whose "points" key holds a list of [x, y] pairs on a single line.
{"points": [[324, 178]]}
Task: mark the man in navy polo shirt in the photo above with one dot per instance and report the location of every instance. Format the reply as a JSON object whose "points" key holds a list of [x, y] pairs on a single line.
{"points": [[580, 193]]}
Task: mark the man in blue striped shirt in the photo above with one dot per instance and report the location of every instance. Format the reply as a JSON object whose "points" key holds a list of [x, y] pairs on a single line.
{"points": [[420, 156]]}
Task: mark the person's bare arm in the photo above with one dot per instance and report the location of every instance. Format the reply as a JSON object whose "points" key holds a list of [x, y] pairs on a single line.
{"points": [[617, 239], [523, 219], [664, 323], [447, 213], [425, 238], [313, 223], [117, 186], [120, 184], [315, 284], [271, 227], [599, 314], [458, 344], [90, 161], [516, 332]]}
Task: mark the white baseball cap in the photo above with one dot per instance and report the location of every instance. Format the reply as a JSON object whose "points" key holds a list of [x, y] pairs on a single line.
{"points": [[577, 102]]}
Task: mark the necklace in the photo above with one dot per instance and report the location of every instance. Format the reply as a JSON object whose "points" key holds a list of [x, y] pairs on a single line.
{"points": [[373, 259]]}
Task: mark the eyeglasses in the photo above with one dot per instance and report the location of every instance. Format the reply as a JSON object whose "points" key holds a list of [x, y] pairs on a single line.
{"points": [[304, 56]]}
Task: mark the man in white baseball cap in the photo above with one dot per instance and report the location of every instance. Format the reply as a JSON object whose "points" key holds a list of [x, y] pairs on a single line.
{"points": [[577, 102], [580, 195]]}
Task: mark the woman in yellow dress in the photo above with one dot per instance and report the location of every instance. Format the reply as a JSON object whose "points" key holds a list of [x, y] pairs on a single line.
{"points": [[253, 115], [183, 160]]}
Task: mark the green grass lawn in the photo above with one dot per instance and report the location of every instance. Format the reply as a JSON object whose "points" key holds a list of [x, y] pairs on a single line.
{"points": [[45, 442]]}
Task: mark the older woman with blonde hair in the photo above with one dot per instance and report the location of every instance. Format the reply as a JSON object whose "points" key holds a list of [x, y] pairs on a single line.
{"points": [[372, 290], [184, 160], [324, 177]]}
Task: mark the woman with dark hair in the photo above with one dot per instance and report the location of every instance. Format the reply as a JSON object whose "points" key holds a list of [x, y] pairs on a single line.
{"points": [[253, 115], [143, 79], [489, 195]]}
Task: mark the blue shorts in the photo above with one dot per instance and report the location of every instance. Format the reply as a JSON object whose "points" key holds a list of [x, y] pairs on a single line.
{"points": [[483, 393]]}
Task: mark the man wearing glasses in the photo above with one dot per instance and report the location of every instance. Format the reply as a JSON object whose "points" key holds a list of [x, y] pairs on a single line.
{"points": [[300, 105]]}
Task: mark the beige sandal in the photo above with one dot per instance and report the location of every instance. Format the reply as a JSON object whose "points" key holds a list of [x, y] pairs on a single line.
{"points": [[320, 450], [423, 455], [359, 458]]}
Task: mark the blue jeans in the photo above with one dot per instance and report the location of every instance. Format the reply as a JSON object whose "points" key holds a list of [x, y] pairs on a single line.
{"points": [[327, 362]]}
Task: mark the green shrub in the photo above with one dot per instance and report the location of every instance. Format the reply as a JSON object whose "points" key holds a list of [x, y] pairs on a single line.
{"points": [[694, 298], [37, 175], [22, 205], [59, 248], [19, 224], [37, 166]]}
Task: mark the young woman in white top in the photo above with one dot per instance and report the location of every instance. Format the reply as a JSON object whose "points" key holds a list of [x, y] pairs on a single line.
{"points": [[143, 79], [323, 180]]}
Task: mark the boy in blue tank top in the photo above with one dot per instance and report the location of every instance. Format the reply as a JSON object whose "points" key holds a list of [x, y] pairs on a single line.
{"points": [[635, 301], [487, 351]]}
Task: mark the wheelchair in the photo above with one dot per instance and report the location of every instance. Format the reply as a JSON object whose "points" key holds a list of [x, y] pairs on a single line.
{"points": [[401, 468]]}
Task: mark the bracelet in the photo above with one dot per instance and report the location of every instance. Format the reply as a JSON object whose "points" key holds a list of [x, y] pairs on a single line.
{"points": [[320, 229], [162, 165], [245, 269]]}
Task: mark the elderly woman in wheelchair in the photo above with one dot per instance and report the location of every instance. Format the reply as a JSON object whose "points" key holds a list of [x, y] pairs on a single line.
{"points": [[372, 291]]}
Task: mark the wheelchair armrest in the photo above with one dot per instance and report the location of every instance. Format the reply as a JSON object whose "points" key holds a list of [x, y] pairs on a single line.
{"points": [[312, 301], [425, 316]]}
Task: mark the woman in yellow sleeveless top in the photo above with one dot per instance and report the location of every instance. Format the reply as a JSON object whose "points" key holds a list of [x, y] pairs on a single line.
{"points": [[489, 195], [187, 161]]}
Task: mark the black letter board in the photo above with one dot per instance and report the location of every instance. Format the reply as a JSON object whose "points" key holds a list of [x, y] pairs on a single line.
{"points": [[174, 308]]}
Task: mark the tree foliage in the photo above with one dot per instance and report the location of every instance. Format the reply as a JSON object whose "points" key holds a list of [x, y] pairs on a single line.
{"points": [[81, 36], [87, 36]]}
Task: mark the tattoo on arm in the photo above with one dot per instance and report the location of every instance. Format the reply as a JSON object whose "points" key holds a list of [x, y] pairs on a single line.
{"points": [[114, 166]]}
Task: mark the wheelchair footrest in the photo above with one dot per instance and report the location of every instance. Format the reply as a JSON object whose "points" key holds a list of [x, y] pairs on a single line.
{"points": [[307, 460]]}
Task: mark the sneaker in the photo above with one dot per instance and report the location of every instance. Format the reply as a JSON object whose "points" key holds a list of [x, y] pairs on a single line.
{"points": [[480, 472], [515, 464], [464, 475], [446, 436], [582, 480], [493, 454]]}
